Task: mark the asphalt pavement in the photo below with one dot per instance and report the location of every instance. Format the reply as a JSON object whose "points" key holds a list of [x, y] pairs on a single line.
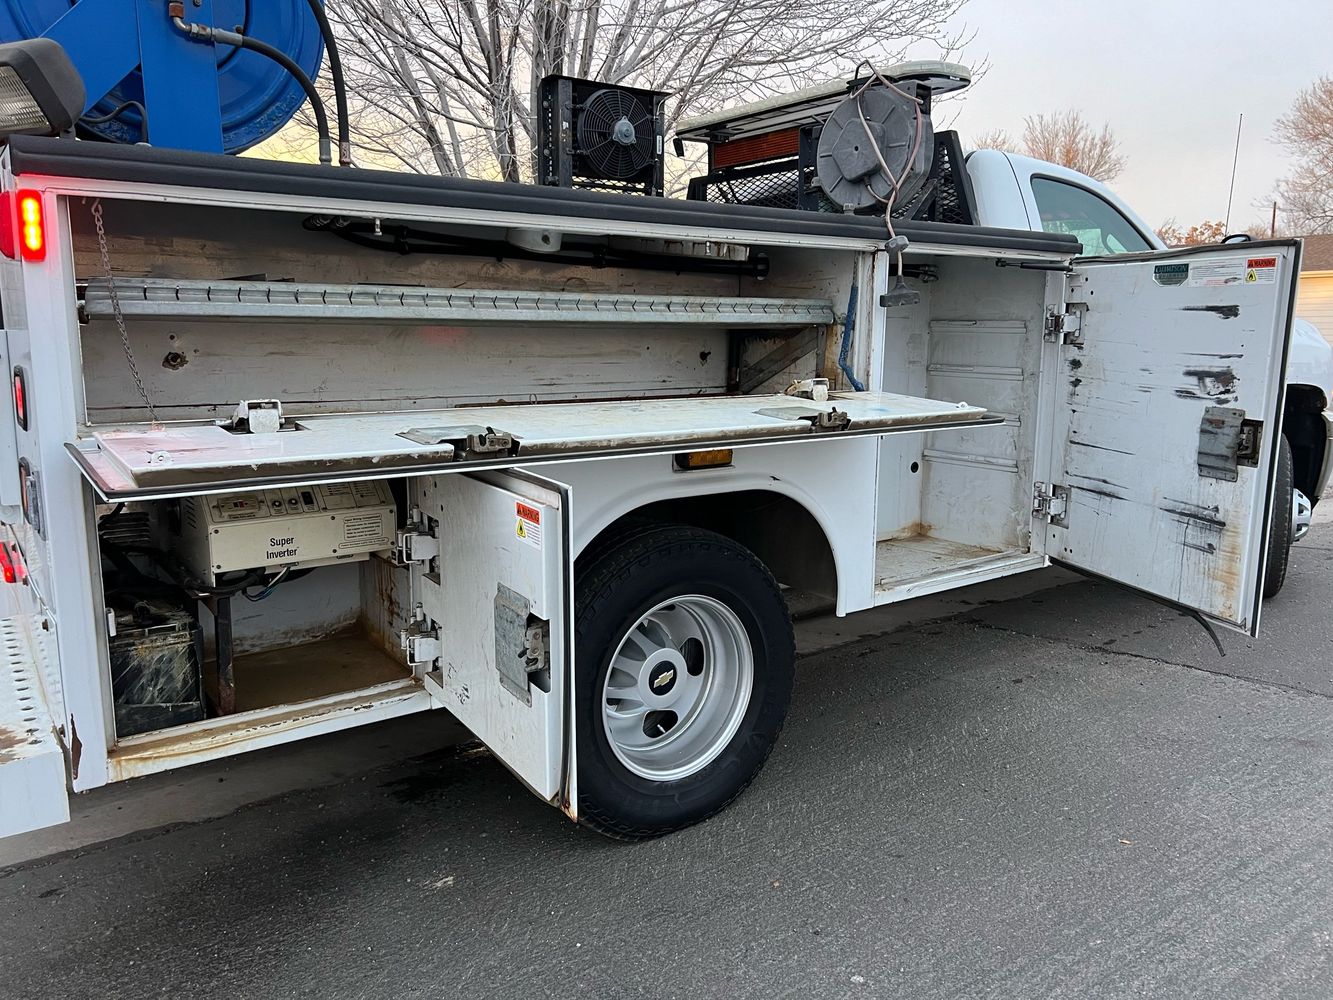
{"points": [[1063, 794]]}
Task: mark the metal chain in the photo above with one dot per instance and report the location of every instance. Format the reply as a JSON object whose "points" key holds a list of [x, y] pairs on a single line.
{"points": [[114, 295]]}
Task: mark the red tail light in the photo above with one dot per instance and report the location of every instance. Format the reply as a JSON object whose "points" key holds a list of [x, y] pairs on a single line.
{"points": [[7, 564], [32, 226], [23, 234], [21, 398]]}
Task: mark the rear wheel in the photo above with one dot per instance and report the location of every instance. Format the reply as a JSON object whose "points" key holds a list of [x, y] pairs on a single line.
{"points": [[1279, 533], [685, 659]]}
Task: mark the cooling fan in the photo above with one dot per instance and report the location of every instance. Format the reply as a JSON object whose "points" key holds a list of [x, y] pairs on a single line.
{"points": [[616, 134], [594, 135]]}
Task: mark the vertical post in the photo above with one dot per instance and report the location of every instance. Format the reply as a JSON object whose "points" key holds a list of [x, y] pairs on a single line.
{"points": [[223, 655]]}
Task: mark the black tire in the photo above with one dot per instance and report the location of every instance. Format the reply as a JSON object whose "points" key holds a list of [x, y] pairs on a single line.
{"points": [[1279, 535], [652, 564]]}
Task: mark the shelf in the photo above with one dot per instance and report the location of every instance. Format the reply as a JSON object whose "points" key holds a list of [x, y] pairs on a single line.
{"points": [[165, 298], [292, 674]]}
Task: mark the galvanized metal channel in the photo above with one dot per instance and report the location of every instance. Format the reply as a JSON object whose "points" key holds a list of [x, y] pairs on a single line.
{"points": [[165, 298]]}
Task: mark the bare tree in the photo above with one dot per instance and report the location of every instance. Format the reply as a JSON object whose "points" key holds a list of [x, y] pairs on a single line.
{"points": [[1201, 234], [996, 138], [1305, 196], [450, 86], [1066, 138]]}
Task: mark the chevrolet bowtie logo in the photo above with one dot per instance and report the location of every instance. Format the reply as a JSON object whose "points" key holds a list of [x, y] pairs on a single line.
{"points": [[664, 680]]}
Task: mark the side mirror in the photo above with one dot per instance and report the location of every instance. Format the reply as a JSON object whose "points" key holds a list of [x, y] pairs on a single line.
{"points": [[41, 92], [1238, 238]]}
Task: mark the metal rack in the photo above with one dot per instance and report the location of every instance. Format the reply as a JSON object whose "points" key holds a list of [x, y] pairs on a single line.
{"points": [[158, 298]]}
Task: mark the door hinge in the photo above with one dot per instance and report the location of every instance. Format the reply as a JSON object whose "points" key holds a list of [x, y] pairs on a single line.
{"points": [[1051, 503], [421, 639], [1065, 327], [418, 542]]}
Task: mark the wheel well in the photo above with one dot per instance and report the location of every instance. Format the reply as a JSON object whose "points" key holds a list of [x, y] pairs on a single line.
{"points": [[1303, 426], [780, 531]]}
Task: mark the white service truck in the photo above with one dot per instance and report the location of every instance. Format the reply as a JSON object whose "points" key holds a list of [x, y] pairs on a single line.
{"points": [[293, 449]]}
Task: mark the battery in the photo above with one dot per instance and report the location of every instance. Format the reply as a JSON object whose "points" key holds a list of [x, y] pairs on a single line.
{"points": [[155, 668]]}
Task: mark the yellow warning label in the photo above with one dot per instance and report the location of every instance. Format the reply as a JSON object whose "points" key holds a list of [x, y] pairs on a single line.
{"points": [[527, 531], [1251, 277]]}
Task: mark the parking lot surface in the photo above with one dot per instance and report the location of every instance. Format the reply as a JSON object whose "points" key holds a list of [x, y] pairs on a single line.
{"points": [[1067, 793]]}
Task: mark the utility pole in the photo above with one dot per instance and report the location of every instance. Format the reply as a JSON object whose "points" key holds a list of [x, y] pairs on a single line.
{"points": [[1272, 226], [1231, 191]]}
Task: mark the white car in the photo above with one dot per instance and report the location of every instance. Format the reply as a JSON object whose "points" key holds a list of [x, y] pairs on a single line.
{"points": [[1018, 192]]}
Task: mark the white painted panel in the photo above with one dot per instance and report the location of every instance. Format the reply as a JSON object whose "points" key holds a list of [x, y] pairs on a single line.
{"points": [[495, 539], [1160, 347]]}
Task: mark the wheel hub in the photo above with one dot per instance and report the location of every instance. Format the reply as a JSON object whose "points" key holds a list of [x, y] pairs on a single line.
{"points": [[678, 687]]}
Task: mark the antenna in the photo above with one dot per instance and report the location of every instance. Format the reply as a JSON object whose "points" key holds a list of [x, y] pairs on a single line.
{"points": [[1231, 191]]}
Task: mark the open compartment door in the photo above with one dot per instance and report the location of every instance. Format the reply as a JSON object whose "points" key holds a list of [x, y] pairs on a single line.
{"points": [[491, 572], [1170, 388], [153, 462]]}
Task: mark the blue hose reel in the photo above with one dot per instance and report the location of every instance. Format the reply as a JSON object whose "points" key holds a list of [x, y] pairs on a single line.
{"points": [[197, 95]]}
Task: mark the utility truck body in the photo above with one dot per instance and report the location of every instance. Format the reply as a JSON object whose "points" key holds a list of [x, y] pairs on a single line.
{"points": [[297, 449]]}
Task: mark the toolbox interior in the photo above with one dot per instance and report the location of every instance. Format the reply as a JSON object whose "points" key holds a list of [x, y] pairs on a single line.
{"points": [[948, 499]]}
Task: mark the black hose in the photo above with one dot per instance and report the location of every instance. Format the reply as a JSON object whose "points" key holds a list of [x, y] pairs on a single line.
{"points": [[103, 119], [204, 32], [339, 83], [405, 240]]}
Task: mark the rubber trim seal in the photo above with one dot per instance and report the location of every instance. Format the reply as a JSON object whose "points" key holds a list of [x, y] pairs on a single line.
{"points": [[40, 156]]}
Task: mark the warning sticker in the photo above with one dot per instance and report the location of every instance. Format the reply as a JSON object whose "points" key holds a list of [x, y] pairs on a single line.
{"points": [[1214, 273], [1261, 271], [528, 524]]}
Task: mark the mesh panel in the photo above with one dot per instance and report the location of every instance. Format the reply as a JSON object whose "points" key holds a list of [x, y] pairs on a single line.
{"points": [[18, 111], [779, 188], [793, 184]]}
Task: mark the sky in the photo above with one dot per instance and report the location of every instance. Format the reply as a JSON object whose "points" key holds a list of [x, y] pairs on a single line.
{"points": [[1170, 77]]}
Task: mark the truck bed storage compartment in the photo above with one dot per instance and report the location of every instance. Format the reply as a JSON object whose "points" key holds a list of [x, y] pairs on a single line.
{"points": [[235, 603], [958, 504]]}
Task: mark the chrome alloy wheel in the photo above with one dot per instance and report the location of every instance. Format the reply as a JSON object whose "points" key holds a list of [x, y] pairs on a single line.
{"points": [[678, 688], [1301, 515]]}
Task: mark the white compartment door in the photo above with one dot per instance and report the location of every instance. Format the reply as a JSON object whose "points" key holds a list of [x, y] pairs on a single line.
{"points": [[1170, 385], [495, 613]]}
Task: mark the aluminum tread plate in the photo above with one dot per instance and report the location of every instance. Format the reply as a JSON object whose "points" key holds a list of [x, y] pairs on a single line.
{"points": [[32, 763], [143, 460]]}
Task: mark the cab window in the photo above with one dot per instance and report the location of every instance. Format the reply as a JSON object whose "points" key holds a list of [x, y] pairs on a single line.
{"points": [[1067, 208]]}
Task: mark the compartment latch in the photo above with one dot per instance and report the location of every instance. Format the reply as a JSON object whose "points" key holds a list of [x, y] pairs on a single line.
{"points": [[256, 416], [1227, 440], [522, 645]]}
